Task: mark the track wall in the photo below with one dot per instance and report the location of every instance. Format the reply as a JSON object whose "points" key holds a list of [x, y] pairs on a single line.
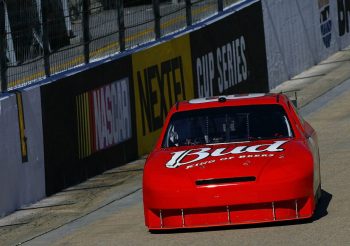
{"points": [[89, 123], [22, 177], [228, 56], [300, 34], [82, 112]]}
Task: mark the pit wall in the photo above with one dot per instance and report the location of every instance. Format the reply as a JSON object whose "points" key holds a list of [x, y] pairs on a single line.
{"points": [[113, 112], [22, 176], [96, 117], [300, 34]]}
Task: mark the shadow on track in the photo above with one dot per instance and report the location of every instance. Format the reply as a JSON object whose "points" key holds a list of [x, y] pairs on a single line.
{"points": [[323, 203], [320, 212]]}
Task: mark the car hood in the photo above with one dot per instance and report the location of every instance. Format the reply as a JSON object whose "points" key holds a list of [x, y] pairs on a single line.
{"points": [[229, 160]]}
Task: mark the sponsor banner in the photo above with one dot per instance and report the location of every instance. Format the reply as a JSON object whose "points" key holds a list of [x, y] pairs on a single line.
{"points": [[103, 117], [89, 123], [343, 9], [331, 24], [343, 21], [228, 56], [325, 22], [162, 76]]}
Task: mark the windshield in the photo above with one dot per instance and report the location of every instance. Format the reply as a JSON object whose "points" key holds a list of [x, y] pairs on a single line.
{"points": [[227, 124]]}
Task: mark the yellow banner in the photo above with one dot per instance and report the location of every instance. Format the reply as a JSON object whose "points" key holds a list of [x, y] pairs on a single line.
{"points": [[22, 127], [162, 76]]}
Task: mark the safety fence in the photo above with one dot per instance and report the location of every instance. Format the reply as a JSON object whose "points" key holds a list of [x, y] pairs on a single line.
{"points": [[40, 38]]}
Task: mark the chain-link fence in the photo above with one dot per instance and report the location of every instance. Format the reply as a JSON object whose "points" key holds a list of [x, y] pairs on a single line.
{"points": [[40, 38]]}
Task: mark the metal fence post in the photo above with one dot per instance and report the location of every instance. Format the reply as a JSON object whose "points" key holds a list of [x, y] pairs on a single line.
{"points": [[220, 5], [156, 12], [3, 62], [188, 12], [86, 31], [3, 47], [46, 49], [121, 26]]}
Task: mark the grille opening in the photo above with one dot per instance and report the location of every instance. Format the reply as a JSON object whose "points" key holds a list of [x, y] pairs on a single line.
{"points": [[225, 180]]}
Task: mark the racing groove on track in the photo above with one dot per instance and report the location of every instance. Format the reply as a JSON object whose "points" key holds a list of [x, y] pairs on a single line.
{"points": [[121, 222]]}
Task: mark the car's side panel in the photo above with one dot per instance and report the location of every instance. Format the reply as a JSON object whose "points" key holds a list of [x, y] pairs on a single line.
{"points": [[311, 137]]}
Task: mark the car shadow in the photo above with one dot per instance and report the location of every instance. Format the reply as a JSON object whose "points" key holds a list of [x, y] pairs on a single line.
{"points": [[320, 212], [322, 206]]}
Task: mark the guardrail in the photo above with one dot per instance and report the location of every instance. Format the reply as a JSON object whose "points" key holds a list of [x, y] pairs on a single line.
{"points": [[40, 38]]}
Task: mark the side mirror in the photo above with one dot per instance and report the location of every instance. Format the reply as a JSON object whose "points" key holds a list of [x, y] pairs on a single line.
{"points": [[307, 136], [295, 102], [293, 96], [294, 99]]}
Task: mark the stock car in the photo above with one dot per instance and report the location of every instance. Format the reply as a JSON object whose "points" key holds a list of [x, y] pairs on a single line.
{"points": [[229, 160]]}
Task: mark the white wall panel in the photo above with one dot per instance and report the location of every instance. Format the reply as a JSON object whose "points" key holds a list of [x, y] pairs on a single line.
{"points": [[296, 34], [21, 183]]}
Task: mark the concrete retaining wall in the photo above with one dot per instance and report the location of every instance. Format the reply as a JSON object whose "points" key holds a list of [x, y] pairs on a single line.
{"points": [[21, 182], [300, 34]]}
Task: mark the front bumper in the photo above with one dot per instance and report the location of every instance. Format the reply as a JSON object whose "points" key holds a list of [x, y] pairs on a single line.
{"points": [[158, 219], [246, 203]]}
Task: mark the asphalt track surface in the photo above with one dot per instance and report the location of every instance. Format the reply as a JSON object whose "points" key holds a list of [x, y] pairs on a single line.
{"points": [[117, 219]]}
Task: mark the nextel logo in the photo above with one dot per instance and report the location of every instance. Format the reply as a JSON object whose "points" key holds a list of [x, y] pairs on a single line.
{"points": [[159, 85], [325, 22]]}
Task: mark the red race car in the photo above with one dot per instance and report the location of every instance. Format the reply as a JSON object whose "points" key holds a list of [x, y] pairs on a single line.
{"points": [[229, 160]]}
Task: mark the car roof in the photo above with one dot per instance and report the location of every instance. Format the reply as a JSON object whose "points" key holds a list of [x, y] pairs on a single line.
{"points": [[231, 100]]}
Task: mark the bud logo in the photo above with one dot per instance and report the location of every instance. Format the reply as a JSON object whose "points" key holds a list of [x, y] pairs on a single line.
{"points": [[186, 157], [103, 117], [226, 68], [325, 21]]}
